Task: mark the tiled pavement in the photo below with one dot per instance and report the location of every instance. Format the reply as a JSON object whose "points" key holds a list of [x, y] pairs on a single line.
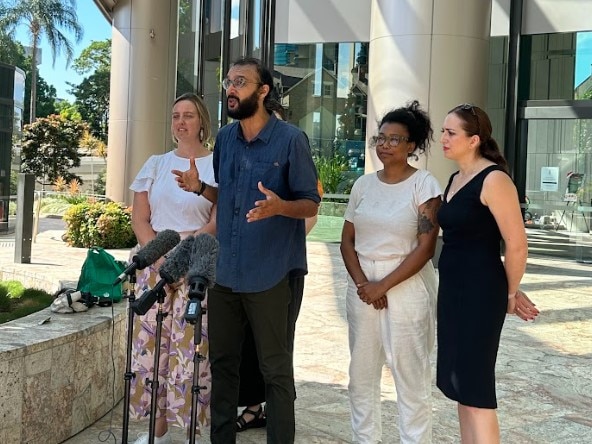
{"points": [[544, 367]]}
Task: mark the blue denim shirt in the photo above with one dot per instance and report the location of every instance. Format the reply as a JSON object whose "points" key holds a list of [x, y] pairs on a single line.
{"points": [[255, 256]]}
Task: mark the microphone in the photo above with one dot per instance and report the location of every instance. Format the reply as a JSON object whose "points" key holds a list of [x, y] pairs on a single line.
{"points": [[156, 248], [173, 269], [201, 275]]}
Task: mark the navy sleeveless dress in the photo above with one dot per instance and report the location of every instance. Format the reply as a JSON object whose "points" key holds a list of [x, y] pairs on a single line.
{"points": [[472, 296]]}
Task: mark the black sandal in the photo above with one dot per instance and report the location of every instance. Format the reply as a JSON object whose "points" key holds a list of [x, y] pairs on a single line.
{"points": [[257, 422]]}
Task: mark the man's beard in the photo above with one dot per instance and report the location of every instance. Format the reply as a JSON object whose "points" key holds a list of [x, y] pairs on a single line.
{"points": [[245, 108]]}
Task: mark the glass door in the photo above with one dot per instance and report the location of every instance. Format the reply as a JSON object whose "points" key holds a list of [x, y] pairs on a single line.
{"points": [[558, 209]]}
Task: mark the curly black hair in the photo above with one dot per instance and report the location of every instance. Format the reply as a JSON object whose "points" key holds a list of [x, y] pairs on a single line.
{"points": [[417, 122]]}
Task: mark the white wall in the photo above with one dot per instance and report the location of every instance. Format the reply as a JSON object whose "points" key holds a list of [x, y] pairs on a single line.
{"points": [[312, 21]]}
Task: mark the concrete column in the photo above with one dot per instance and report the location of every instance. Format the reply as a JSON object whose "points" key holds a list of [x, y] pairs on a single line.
{"points": [[435, 51], [143, 77]]}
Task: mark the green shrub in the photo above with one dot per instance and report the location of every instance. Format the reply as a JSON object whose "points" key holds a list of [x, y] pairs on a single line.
{"points": [[330, 170], [4, 299], [99, 224], [13, 182], [100, 183], [74, 199], [54, 205], [17, 301]]}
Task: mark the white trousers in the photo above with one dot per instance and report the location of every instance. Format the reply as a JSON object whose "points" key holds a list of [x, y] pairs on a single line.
{"points": [[401, 335]]}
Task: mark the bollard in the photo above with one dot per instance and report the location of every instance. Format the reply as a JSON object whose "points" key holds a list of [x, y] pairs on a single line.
{"points": [[24, 218]]}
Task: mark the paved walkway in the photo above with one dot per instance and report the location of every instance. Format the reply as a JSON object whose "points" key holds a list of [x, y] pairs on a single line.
{"points": [[544, 367]]}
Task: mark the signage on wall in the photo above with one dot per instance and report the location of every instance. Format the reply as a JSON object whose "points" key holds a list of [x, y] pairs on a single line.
{"points": [[549, 178], [574, 183]]}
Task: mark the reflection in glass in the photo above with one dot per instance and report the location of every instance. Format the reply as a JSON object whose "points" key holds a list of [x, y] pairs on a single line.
{"points": [[559, 205], [324, 88], [583, 68], [560, 66]]}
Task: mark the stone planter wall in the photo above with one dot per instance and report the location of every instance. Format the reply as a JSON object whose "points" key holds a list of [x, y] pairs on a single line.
{"points": [[57, 377]]}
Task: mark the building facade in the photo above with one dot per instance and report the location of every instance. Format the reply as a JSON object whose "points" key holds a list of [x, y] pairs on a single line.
{"points": [[12, 101], [340, 65]]}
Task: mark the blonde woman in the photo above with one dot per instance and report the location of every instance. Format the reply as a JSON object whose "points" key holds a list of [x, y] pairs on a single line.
{"points": [[160, 204]]}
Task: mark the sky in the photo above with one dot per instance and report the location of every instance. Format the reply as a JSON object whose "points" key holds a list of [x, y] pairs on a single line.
{"points": [[583, 57], [95, 27]]}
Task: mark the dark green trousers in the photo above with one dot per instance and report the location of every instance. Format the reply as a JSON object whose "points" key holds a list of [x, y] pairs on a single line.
{"points": [[267, 314]]}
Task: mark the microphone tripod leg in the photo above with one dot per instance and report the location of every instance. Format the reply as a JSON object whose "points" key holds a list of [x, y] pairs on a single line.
{"points": [[154, 382], [128, 375], [196, 388]]}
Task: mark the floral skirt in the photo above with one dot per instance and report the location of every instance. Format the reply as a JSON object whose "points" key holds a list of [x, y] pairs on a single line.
{"points": [[175, 362]]}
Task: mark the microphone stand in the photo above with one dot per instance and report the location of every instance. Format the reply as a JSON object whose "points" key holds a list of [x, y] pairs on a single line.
{"points": [[128, 375], [154, 381], [197, 358]]}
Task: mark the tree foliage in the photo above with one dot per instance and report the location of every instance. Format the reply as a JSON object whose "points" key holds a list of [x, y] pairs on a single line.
{"points": [[92, 101], [46, 96], [50, 149], [95, 57], [42, 18], [92, 145], [92, 94], [12, 52], [68, 111]]}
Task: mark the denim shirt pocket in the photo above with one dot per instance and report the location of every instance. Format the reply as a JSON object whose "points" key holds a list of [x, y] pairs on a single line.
{"points": [[268, 173]]}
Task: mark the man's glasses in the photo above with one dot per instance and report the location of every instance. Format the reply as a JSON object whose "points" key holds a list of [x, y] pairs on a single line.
{"points": [[391, 142], [238, 83]]}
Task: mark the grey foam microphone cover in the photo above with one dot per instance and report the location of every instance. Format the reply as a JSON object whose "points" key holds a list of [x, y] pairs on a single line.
{"points": [[203, 259], [178, 262], [156, 248], [173, 269]]}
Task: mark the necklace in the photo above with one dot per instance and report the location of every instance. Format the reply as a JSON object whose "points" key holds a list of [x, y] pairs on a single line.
{"points": [[456, 186]]}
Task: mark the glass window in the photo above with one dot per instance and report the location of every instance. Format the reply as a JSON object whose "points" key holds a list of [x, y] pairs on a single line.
{"points": [[324, 88], [558, 66], [255, 35], [189, 57], [583, 71], [558, 212]]}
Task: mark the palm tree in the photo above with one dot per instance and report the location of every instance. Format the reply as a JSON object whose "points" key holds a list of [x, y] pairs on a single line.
{"points": [[42, 17]]}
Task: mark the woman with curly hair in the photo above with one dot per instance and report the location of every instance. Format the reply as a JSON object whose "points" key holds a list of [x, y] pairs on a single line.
{"points": [[389, 236]]}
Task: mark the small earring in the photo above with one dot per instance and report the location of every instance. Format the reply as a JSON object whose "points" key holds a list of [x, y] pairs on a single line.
{"points": [[201, 135]]}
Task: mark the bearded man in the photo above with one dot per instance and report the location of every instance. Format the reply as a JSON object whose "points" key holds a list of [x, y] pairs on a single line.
{"points": [[267, 186]]}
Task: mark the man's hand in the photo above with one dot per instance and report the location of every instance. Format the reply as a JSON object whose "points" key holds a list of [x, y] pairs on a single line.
{"points": [[188, 180], [271, 206]]}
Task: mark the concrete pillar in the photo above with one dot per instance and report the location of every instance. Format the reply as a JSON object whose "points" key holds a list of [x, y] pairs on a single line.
{"points": [[435, 51], [143, 77]]}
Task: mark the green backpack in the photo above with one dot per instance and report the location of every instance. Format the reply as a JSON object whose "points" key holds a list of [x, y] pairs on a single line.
{"points": [[99, 271]]}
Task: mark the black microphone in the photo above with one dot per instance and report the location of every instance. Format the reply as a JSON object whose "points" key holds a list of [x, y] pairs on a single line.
{"points": [[201, 275], [173, 269], [156, 248]]}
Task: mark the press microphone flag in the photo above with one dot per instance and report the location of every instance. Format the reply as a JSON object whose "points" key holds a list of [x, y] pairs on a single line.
{"points": [[156, 248], [172, 270], [202, 273]]}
